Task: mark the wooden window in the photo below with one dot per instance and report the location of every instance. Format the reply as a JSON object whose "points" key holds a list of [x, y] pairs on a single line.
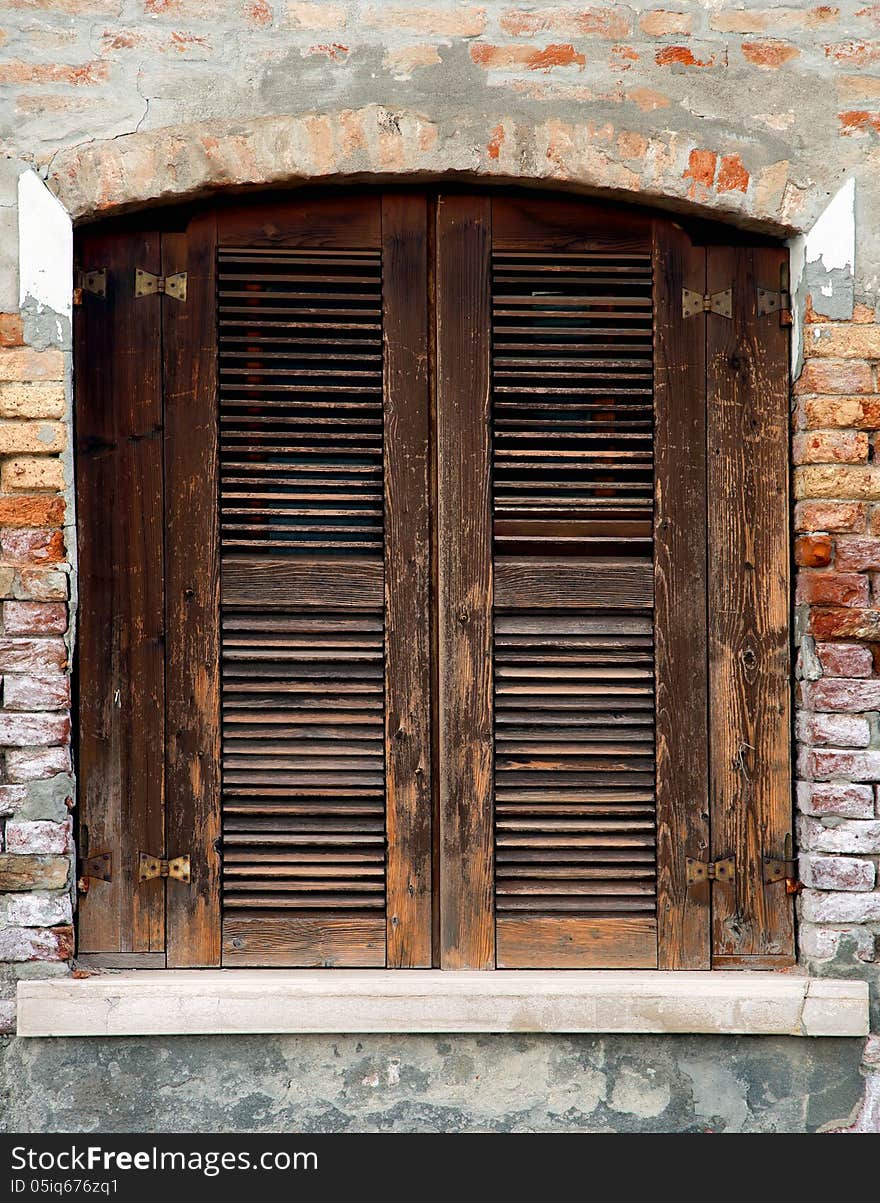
{"points": [[434, 578]]}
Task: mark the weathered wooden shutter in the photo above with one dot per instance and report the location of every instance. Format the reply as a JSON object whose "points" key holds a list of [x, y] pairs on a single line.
{"points": [[120, 513], [322, 318], [607, 696], [749, 681]]}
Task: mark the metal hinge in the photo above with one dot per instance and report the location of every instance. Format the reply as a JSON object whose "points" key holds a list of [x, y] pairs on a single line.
{"points": [[154, 866], [712, 870], [94, 282], [783, 868], [775, 302], [93, 868], [146, 284], [694, 303]]}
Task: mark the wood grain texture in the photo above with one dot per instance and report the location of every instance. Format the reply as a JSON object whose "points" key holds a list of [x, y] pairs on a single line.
{"points": [[464, 566], [541, 224], [192, 597], [121, 609], [575, 582], [408, 793], [680, 601], [295, 942], [750, 788], [303, 584], [322, 221], [536, 942]]}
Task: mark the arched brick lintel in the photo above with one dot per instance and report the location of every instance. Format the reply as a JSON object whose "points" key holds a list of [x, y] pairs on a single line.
{"points": [[669, 169]]}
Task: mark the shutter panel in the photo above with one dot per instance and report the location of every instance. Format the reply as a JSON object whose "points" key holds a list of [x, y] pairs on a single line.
{"points": [[304, 634], [192, 588], [572, 431], [464, 583], [119, 497], [680, 600], [747, 359]]}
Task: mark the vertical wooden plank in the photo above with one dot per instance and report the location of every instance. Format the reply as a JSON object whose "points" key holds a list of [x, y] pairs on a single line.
{"points": [[464, 567], [680, 600], [408, 792], [121, 614], [750, 788], [192, 595]]}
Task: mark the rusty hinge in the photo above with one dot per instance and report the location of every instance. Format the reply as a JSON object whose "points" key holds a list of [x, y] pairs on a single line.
{"points": [[94, 282], [775, 302], [146, 284], [694, 303], [712, 870], [783, 868], [154, 866], [93, 868]]}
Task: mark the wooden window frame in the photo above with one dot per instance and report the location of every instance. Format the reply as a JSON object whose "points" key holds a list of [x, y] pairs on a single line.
{"points": [[721, 436]]}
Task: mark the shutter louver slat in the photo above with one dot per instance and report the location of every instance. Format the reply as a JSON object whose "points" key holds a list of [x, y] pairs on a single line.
{"points": [[302, 648], [572, 427]]}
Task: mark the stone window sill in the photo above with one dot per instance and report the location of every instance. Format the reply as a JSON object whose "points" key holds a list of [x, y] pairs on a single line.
{"points": [[241, 1002]]}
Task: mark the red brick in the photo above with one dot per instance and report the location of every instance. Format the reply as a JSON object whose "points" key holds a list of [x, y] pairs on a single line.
{"points": [[42, 584], [32, 546], [308, 14], [529, 58], [647, 99], [769, 53], [862, 412], [19, 730], [732, 175], [854, 53], [660, 22], [683, 56], [24, 510], [701, 169], [837, 873], [465, 22], [21, 944], [843, 340], [830, 764], [258, 12], [848, 801], [835, 376], [335, 51], [36, 764], [610, 22], [835, 730], [833, 588], [858, 554], [25, 692], [831, 516], [859, 121], [845, 659], [24, 363], [874, 521], [39, 836], [15, 71], [32, 655], [838, 622], [34, 618], [831, 447], [813, 551], [11, 333], [840, 696]]}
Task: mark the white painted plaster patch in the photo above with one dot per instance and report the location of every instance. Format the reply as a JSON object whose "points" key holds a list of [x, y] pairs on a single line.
{"points": [[45, 234], [831, 241]]}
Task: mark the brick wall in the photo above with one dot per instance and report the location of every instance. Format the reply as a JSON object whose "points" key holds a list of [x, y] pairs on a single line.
{"points": [[836, 450], [37, 791], [757, 114]]}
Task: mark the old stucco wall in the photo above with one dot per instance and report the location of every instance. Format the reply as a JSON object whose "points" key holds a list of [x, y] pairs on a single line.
{"points": [[760, 115]]}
